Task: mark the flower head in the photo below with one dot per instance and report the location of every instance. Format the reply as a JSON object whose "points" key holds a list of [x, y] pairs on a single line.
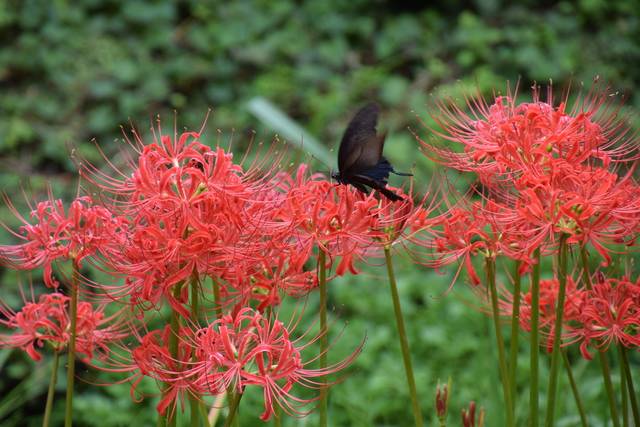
{"points": [[47, 321]]}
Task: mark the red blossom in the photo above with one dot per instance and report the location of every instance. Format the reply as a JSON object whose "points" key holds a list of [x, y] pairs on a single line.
{"points": [[47, 321], [554, 169], [57, 234], [249, 349], [152, 358], [610, 315], [338, 219]]}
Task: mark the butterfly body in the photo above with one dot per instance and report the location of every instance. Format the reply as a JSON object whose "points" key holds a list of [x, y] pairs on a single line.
{"points": [[360, 159]]}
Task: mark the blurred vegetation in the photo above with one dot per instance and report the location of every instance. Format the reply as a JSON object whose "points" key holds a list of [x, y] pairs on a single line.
{"points": [[72, 72]]}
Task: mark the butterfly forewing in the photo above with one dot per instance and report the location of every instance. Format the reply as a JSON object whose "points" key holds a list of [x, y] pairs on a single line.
{"points": [[361, 146]]}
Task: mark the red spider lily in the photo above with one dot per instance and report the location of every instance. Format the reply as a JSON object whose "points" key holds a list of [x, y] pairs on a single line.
{"points": [[573, 305], [55, 234], [405, 223], [504, 139], [191, 210], [610, 314], [336, 218], [249, 349], [47, 321], [152, 358], [486, 228], [282, 271], [554, 165], [590, 205]]}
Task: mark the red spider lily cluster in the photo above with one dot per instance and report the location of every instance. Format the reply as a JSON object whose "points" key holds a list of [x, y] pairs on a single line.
{"points": [[188, 229], [550, 178], [544, 171], [47, 322], [55, 234], [606, 314]]}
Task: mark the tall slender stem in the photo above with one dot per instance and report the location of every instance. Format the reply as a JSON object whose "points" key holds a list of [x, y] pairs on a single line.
{"points": [[324, 339], [233, 409], [277, 414], [404, 342], [557, 331], [52, 389], [574, 388], [623, 391], [632, 393], [602, 355], [608, 385], [173, 345], [490, 265], [194, 400], [534, 340], [71, 356], [515, 329], [217, 305]]}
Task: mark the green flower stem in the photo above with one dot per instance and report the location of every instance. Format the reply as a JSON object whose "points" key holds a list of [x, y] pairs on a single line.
{"points": [[218, 311], [277, 422], [404, 342], [504, 372], [203, 414], [608, 385], [574, 388], [194, 400], [534, 340], [629, 379], [71, 356], [557, 332], [173, 346], [623, 391], [52, 389], [216, 298], [324, 339], [515, 330], [604, 363], [233, 409]]}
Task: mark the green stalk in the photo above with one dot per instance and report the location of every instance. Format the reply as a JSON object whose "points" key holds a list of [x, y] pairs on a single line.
{"points": [[194, 400], [173, 347], [608, 385], [504, 372], [233, 409], [534, 340], [632, 393], [216, 298], [623, 391], [324, 339], [515, 330], [557, 333], [276, 416], [574, 388], [71, 356], [404, 342], [203, 414], [217, 301], [52, 389], [602, 356]]}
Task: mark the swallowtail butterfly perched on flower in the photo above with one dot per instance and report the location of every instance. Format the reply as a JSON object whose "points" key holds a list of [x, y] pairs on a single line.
{"points": [[360, 160]]}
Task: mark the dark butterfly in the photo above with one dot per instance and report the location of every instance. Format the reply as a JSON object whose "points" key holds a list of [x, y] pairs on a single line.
{"points": [[360, 160]]}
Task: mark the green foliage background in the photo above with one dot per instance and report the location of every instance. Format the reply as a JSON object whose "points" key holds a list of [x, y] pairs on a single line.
{"points": [[71, 72]]}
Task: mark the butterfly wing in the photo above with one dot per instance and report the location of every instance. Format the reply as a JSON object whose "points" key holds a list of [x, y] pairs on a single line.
{"points": [[361, 146]]}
